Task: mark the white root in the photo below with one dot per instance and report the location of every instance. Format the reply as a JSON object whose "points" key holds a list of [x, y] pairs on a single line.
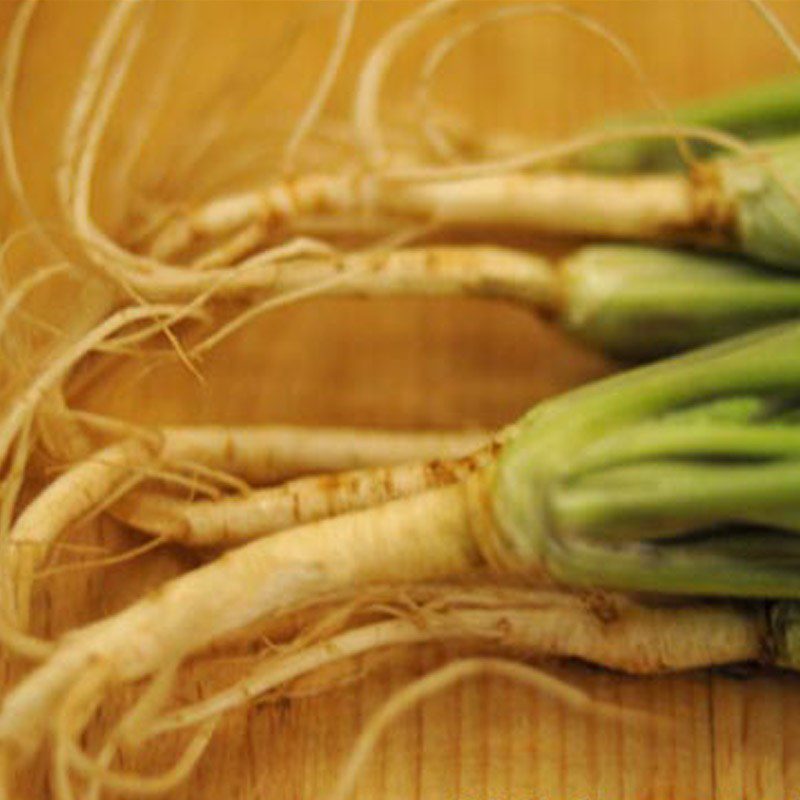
{"points": [[366, 117], [13, 299], [263, 454], [283, 271], [606, 629], [256, 454], [436, 137], [53, 373], [482, 271], [660, 208], [435, 534], [571, 204], [478, 271], [324, 85], [237, 520], [609, 630], [65, 501]]}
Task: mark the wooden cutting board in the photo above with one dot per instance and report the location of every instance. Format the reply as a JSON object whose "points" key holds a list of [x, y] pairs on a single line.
{"points": [[442, 363]]}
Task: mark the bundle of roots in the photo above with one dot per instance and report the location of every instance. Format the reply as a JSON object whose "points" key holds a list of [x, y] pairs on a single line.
{"points": [[319, 545]]}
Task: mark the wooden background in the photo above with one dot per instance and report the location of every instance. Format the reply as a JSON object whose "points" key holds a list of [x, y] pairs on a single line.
{"points": [[438, 363]]}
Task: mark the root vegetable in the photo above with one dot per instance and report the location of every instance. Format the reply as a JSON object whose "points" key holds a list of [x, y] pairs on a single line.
{"points": [[611, 630], [262, 454], [258, 454], [746, 202], [65, 501], [631, 302], [237, 520], [424, 536], [661, 208], [518, 514], [675, 480]]}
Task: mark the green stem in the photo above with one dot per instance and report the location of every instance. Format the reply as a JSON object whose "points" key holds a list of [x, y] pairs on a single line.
{"points": [[647, 501], [639, 302], [764, 111], [658, 440], [705, 568], [606, 527]]}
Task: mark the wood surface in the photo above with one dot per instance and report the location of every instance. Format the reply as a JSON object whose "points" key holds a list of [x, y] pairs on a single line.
{"points": [[425, 364]]}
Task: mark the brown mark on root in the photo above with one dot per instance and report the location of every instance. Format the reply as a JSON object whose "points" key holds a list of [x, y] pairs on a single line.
{"points": [[439, 472], [602, 606], [713, 213]]}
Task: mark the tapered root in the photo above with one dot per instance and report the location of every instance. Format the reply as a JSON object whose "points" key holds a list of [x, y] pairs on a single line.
{"points": [[420, 271], [273, 209], [605, 629], [237, 520], [263, 454], [439, 533], [660, 208], [253, 454], [64, 502]]}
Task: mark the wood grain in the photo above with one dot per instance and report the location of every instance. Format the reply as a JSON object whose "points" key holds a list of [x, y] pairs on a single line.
{"points": [[447, 363]]}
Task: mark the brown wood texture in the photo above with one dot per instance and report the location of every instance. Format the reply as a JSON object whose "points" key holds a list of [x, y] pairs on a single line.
{"points": [[434, 363]]}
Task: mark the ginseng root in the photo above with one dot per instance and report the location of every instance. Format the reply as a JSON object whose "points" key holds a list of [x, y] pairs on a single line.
{"points": [[263, 454], [691, 443], [255, 454], [661, 208], [747, 202], [628, 301], [602, 628], [444, 532], [236, 520], [424, 537], [606, 629]]}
